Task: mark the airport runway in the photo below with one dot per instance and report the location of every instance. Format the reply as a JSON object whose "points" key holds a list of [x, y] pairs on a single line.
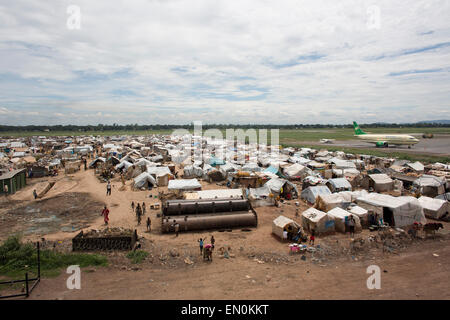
{"points": [[439, 145]]}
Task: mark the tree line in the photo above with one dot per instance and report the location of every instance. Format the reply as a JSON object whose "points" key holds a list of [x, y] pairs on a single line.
{"points": [[160, 127]]}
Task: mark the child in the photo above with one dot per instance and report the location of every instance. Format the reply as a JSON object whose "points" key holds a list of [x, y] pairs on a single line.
{"points": [[149, 224], [312, 237], [201, 245]]}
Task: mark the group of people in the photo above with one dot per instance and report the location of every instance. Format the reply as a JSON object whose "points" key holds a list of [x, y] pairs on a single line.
{"points": [[140, 211], [298, 236], [202, 244]]}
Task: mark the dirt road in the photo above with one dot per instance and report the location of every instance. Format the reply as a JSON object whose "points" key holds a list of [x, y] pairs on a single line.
{"points": [[415, 274]]}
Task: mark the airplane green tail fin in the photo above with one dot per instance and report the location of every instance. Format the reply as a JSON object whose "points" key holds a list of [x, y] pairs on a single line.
{"points": [[358, 130]]}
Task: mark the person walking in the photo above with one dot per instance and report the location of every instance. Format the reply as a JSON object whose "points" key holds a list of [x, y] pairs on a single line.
{"points": [[212, 241], [143, 208], [312, 237], [149, 224], [177, 229], [105, 214], [108, 189], [351, 225], [35, 194], [132, 205], [200, 241], [138, 213]]}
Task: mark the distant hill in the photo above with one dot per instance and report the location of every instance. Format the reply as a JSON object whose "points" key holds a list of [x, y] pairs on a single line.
{"points": [[436, 121]]}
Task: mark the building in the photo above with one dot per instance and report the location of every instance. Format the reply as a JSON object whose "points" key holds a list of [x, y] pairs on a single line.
{"points": [[14, 180]]}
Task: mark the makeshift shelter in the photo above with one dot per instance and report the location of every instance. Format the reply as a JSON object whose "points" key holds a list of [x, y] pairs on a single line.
{"points": [[123, 166], [430, 186], [215, 194], [97, 162], [13, 181], [181, 185], [396, 211], [283, 188], [340, 216], [380, 182], [295, 171], [319, 221], [338, 184], [230, 167], [192, 171], [144, 180], [416, 166], [260, 197], [329, 201], [251, 167], [281, 224], [311, 193], [434, 208], [362, 214]]}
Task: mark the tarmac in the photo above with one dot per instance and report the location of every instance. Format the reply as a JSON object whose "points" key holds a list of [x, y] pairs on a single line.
{"points": [[439, 145]]}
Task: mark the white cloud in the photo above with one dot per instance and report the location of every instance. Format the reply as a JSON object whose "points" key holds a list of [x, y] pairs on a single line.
{"points": [[224, 61]]}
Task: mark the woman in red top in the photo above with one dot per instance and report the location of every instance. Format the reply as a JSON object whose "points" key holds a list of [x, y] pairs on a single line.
{"points": [[105, 214]]}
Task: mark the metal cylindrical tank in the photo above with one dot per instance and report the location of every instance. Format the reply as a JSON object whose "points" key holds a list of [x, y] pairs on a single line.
{"points": [[190, 207], [210, 221]]}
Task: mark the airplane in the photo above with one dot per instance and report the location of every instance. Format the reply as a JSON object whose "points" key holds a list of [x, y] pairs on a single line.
{"points": [[384, 140], [327, 140]]}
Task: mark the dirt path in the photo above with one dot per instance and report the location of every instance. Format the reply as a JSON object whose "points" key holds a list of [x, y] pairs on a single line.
{"points": [[416, 274]]}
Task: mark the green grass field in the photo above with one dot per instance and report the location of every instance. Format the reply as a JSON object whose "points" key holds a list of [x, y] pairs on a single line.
{"points": [[299, 135], [296, 138]]}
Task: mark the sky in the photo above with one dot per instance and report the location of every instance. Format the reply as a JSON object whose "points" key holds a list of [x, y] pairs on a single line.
{"points": [[231, 62]]}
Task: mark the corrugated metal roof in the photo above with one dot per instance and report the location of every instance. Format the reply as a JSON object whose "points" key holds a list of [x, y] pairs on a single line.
{"points": [[11, 174]]}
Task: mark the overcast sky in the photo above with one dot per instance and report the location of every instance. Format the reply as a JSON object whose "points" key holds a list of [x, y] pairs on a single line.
{"points": [[243, 61]]}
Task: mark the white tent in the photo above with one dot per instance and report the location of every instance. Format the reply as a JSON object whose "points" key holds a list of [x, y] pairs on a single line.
{"points": [[251, 167], [276, 184], [142, 180], [339, 215], [382, 182], [311, 193], [313, 219], [230, 167], [184, 184], [397, 211], [339, 184], [215, 194], [124, 164], [434, 208], [260, 197], [430, 185], [192, 171], [295, 170], [362, 214], [282, 223]]}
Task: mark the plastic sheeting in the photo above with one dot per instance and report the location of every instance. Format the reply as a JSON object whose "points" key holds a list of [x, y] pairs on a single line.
{"points": [[339, 215], [319, 221], [406, 210], [143, 180], [311, 193], [339, 184], [295, 170], [280, 223], [184, 184], [434, 208]]}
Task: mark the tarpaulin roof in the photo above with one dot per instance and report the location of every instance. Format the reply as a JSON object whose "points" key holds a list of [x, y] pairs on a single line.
{"points": [[429, 181], [184, 184], [380, 178]]}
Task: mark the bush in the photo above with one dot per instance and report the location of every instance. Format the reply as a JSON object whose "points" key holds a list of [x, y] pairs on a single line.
{"points": [[16, 258], [137, 256]]}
